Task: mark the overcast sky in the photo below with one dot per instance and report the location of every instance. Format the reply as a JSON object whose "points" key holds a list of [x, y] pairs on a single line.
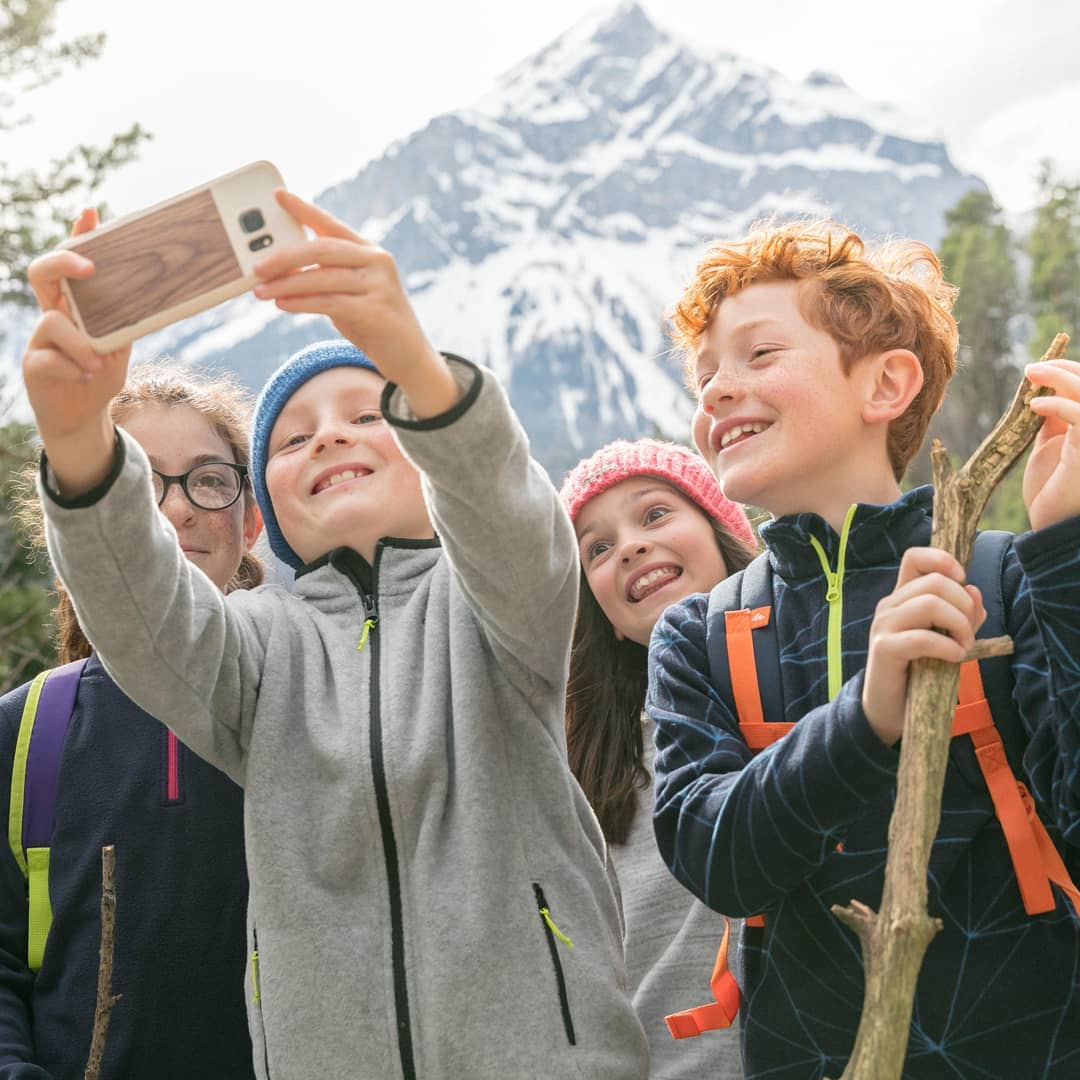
{"points": [[322, 86]]}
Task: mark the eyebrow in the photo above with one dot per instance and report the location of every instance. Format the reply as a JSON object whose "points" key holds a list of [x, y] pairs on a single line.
{"points": [[195, 462], [638, 496], [354, 397]]}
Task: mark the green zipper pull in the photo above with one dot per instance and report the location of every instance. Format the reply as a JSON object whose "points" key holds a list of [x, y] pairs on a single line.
{"points": [[834, 594], [554, 929], [255, 974], [369, 625]]}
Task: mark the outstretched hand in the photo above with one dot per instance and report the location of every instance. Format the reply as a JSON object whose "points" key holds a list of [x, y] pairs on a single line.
{"points": [[930, 614], [1052, 476], [356, 285], [68, 384]]}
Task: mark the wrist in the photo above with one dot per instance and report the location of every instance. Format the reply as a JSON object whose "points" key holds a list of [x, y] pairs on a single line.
{"points": [[80, 460], [889, 727], [430, 388]]}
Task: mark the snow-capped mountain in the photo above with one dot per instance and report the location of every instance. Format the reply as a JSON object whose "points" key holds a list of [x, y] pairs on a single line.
{"points": [[544, 231]]}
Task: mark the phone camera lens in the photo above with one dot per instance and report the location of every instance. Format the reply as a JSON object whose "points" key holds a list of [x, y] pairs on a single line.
{"points": [[251, 220], [260, 242]]}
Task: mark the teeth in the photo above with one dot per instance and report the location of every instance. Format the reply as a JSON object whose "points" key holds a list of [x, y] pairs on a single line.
{"points": [[740, 430], [642, 584], [337, 478]]}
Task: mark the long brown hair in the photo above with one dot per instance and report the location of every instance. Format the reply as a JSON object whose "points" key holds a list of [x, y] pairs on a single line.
{"points": [[605, 694], [227, 407]]}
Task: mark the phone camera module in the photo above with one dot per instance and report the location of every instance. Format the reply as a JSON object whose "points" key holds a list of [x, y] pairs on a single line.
{"points": [[252, 220], [260, 242]]}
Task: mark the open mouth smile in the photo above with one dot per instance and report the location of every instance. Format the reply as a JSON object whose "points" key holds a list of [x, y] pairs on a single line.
{"points": [[739, 433], [651, 581], [339, 476]]}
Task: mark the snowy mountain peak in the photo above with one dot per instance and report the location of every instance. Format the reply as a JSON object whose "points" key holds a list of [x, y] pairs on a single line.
{"points": [[544, 231]]}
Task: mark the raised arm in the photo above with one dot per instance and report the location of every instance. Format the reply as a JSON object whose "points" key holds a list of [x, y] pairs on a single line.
{"points": [[505, 533], [504, 530]]}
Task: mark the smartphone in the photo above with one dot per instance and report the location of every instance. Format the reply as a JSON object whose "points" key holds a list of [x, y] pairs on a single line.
{"points": [[178, 257]]}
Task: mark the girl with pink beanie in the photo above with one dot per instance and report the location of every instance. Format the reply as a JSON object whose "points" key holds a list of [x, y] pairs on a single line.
{"points": [[652, 527]]}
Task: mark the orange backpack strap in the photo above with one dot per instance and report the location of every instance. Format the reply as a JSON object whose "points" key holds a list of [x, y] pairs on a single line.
{"points": [[1035, 859], [739, 627], [737, 667], [718, 1013]]}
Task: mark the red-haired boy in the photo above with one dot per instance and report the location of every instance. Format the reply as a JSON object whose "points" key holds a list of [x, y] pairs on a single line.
{"points": [[817, 367]]}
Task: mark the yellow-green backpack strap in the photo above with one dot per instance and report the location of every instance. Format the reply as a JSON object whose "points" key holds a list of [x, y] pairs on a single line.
{"points": [[18, 772], [39, 913], [34, 775]]}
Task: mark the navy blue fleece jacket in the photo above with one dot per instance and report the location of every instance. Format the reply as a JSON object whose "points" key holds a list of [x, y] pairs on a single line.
{"points": [[803, 825], [181, 895]]}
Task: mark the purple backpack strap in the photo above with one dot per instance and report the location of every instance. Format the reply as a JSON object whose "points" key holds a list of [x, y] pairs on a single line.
{"points": [[43, 757]]}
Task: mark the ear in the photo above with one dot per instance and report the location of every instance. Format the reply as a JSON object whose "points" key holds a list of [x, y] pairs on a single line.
{"points": [[253, 524], [894, 380]]}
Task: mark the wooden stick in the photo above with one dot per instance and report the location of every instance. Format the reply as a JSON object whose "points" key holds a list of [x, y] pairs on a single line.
{"points": [[105, 998], [894, 942]]}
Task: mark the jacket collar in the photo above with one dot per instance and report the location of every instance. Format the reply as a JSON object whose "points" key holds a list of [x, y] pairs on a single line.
{"points": [[878, 536], [341, 577]]}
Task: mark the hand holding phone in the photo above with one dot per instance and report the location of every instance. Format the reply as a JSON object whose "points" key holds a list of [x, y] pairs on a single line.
{"points": [[178, 257]]}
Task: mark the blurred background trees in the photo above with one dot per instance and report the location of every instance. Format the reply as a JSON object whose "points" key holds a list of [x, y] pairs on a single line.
{"points": [[1018, 287], [36, 206]]}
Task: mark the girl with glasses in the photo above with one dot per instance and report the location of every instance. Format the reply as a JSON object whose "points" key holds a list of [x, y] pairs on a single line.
{"points": [[175, 822]]}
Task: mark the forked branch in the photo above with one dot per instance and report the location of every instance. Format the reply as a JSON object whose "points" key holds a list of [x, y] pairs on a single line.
{"points": [[894, 940]]}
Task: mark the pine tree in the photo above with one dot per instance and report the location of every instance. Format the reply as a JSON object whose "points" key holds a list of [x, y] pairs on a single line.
{"points": [[977, 256], [1055, 253], [25, 625], [36, 206]]}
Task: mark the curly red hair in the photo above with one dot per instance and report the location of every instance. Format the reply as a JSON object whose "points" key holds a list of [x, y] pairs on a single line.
{"points": [[891, 297]]}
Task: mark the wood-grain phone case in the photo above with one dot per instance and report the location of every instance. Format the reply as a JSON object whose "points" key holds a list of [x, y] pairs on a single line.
{"points": [[177, 258]]}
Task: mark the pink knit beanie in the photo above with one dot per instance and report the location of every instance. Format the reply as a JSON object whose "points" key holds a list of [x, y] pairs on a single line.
{"points": [[650, 457]]}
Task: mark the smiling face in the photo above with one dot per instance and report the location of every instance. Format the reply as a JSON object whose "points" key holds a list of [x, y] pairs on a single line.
{"points": [[176, 438], [644, 546], [334, 473], [779, 421]]}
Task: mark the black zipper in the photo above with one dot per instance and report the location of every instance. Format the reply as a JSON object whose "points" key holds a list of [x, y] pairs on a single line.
{"points": [[256, 993], [386, 826], [553, 948]]}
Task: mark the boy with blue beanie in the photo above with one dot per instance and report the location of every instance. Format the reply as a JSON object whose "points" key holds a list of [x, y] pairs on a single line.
{"points": [[420, 858], [817, 367]]}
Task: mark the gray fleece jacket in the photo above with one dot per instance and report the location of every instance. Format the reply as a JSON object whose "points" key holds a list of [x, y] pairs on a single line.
{"points": [[413, 832]]}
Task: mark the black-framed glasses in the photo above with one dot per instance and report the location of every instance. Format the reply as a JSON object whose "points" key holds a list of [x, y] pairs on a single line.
{"points": [[214, 485]]}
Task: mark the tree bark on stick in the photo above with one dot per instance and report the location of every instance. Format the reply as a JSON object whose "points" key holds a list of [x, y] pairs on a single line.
{"points": [[105, 998], [894, 940]]}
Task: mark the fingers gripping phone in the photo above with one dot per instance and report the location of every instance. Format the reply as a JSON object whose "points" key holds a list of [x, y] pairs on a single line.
{"points": [[178, 257]]}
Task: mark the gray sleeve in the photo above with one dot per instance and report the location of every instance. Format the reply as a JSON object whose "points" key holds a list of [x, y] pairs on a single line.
{"points": [[506, 535], [163, 630]]}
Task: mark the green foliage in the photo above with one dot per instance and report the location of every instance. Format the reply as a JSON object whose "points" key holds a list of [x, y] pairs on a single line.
{"points": [[36, 206], [977, 256], [25, 604], [1006, 509], [1054, 248]]}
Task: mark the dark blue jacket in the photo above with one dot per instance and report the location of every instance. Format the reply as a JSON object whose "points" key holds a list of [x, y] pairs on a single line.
{"points": [[181, 895], [998, 994]]}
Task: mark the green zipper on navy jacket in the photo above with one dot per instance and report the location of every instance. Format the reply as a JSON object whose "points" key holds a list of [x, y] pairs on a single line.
{"points": [[834, 595]]}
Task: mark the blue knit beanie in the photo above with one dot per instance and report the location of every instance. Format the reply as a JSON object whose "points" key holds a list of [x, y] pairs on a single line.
{"points": [[301, 366]]}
